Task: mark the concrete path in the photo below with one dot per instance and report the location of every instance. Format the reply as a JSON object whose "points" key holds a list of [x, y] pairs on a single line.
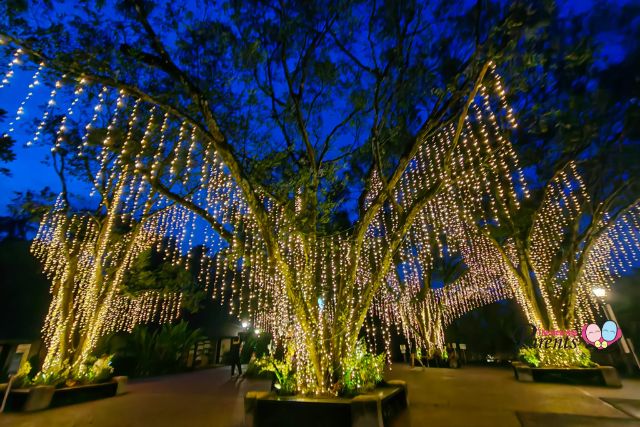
{"points": [[471, 396], [207, 398], [483, 396]]}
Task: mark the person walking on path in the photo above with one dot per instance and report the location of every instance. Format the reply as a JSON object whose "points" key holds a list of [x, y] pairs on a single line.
{"points": [[235, 355]]}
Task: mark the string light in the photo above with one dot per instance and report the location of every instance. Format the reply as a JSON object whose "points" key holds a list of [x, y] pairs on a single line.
{"points": [[15, 60], [316, 291], [20, 112]]}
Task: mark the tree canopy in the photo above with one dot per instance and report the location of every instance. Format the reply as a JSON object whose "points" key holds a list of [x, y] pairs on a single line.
{"points": [[325, 157]]}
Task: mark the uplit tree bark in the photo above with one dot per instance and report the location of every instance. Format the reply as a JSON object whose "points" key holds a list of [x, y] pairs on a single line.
{"points": [[274, 234], [564, 249]]}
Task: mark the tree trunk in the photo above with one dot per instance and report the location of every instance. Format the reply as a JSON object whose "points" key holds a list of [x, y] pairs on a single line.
{"points": [[61, 337]]}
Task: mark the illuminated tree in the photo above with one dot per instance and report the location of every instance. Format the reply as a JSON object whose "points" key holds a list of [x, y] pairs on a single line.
{"points": [[247, 129], [462, 272], [87, 254], [578, 111], [567, 246]]}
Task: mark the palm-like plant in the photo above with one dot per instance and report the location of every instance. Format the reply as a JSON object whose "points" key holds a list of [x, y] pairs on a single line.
{"points": [[162, 350]]}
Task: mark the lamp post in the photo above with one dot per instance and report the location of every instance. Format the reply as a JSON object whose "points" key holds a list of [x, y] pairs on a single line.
{"points": [[626, 349]]}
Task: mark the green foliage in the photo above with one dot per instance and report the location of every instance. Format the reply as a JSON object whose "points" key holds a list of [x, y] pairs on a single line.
{"points": [[258, 344], [575, 104], [579, 357], [22, 377], [283, 78], [6, 148], [529, 355], [299, 60], [96, 370], [151, 272], [141, 345], [362, 371], [282, 369], [578, 103], [102, 370], [159, 351], [25, 212], [55, 376], [254, 370], [172, 342]]}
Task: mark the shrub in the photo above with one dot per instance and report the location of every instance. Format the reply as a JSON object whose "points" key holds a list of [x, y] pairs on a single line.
{"points": [[151, 351], [579, 357], [282, 369], [22, 377], [97, 371], [55, 376], [362, 371], [172, 343], [256, 371], [529, 355], [255, 344]]}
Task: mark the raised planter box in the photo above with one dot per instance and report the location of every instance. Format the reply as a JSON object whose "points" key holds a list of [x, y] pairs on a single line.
{"points": [[599, 376], [373, 409], [43, 397], [30, 399]]}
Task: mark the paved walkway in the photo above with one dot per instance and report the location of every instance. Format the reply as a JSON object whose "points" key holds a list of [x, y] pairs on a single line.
{"points": [[207, 398], [483, 396], [471, 396]]}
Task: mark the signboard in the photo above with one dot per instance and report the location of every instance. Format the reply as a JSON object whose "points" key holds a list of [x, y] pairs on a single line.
{"points": [[14, 364], [23, 348], [18, 358], [463, 346]]}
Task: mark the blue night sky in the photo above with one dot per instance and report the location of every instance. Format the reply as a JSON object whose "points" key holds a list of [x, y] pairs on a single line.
{"points": [[29, 170]]}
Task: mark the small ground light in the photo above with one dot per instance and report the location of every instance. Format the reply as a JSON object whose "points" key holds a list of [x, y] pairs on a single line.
{"points": [[257, 331], [599, 292]]}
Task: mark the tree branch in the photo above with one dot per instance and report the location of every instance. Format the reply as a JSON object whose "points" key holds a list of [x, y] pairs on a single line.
{"points": [[381, 198], [213, 222]]}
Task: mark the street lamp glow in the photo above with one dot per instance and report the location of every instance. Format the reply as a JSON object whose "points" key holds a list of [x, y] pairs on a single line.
{"points": [[599, 292], [245, 324]]}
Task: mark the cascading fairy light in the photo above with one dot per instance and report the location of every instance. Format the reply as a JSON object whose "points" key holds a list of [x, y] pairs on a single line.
{"points": [[62, 128], [155, 166], [615, 250], [15, 60], [87, 260], [106, 147], [497, 281], [502, 93], [560, 207], [315, 302], [178, 148], [20, 112], [50, 103], [96, 112], [428, 311]]}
